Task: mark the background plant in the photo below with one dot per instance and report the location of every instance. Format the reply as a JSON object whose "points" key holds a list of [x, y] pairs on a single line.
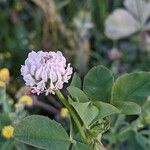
{"points": [[89, 110]]}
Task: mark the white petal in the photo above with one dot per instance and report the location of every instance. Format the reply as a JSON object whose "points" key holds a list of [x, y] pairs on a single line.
{"points": [[33, 69], [44, 74], [29, 80], [59, 85], [38, 74], [24, 70]]}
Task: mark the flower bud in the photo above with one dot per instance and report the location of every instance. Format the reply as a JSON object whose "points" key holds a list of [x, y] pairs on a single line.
{"points": [[114, 54], [64, 112], [27, 100], [8, 131], [4, 74]]}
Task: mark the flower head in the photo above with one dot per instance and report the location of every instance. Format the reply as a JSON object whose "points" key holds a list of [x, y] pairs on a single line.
{"points": [[46, 72], [64, 112], [27, 100], [114, 54], [4, 74], [8, 131]]}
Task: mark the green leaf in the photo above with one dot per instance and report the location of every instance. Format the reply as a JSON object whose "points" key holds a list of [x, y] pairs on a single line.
{"points": [[128, 108], [7, 145], [142, 141], [124, 134], [76, 81], [134, 87], [77, 94], [86, 111], [132, 143], [98, 84], [105, 109], [4, 120], [99, 11], [122, 25], [79, 146], [41, 132], [3, 100], [2, 94], [146, 107], [109, 136]]}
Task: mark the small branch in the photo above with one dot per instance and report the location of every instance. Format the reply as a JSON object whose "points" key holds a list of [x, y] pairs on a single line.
{"points": [[72, 113], [46, 107]]}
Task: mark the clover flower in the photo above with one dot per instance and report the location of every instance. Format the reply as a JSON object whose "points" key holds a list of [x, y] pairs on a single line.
{"points": [[4, 75], [8, 131], [114, 54], [27, 100], [64, 112], [46, 72]]}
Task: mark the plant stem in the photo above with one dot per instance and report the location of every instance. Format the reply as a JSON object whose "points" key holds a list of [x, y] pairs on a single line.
{"points": [[72, 113], [4, 101]]}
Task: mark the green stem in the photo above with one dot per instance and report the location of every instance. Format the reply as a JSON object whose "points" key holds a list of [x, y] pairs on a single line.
{"points": [[72, 113], [4, 100]]}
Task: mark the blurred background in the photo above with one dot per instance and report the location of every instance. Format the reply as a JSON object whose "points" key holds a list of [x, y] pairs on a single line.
{"points": [[114, 33], [79, 29]]}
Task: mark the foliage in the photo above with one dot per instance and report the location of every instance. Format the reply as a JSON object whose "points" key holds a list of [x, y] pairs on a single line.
{"points": [[9, 116], [91, 112]]}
